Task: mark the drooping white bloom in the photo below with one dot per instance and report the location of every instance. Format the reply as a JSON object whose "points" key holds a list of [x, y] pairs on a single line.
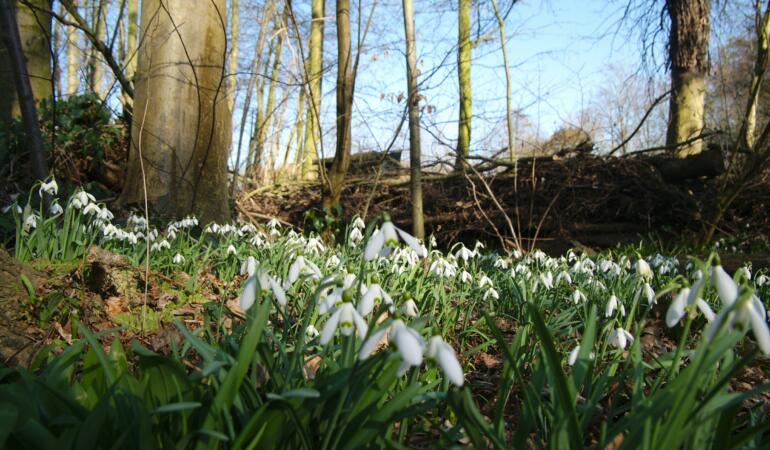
{"points": [[409, 308], [315, 246], [491, 293], [347, 319], [178, 259], [266, 284], [644, 270], [249, 266], [687, 298], [372, 298], [311, 332], [384, 240], [544, 279], [333, 261], [358, 223], [749, 313], [231, 250], [50, 188], [55, 209], [92, 209], [572, 359], [761, 280], [445, 357], [302, 267], [355, 237], [81, 199], [564, 277], [612, 304], [410, 344], [30, 222], [726, 287], [620, 338], [648, 293], [464, 253], [443, 268], [485, 281], [501, 263], [578, 296], [465, 277]]}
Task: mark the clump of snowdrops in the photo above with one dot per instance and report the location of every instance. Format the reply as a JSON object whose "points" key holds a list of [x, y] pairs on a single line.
{"points": [[370, 343]]}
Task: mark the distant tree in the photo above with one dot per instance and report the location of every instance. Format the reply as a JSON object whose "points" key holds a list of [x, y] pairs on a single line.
{"points": [[315, 73], [35, 32], [687, 55], [464, 45], [418, 220], [181, 122]]}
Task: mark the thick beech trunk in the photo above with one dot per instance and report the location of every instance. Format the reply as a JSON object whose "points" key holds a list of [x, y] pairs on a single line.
{"points": [[181, 122]]}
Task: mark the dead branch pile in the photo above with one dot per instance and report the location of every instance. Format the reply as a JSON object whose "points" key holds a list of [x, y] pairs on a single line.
{"points": [[558, 202]]}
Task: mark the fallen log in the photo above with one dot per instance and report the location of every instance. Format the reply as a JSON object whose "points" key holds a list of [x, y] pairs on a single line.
{"points": [[708, 163]]}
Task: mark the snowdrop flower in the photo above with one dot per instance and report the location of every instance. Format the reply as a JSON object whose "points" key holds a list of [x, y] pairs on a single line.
{"points": [[442, 268], [578, 296], [620, 338], [171, 232], [274, 223], [266, 284], [355, 237], [612, 304], [372, 298], [347, 319], [104, 214], [311, 332], [410, 344], [302, 267], [333, 261], [178, 259], [231, 250], [409, 308], [249, 266], [257, 241], [30, 222], [315, 246], [501, 263], [572, 359], [445, 357], [648, 293], [50, 188], [11, 206], [432, 241], [687, 297], [748, 313], [546, 279], [464, 253], [491, 292], [81, 199], [55, 209], [465, 277], [761, 280], [563, 276], [92, 209], [485, 281], [726, 287], [386, 238], [644, 270], [358, 223]]}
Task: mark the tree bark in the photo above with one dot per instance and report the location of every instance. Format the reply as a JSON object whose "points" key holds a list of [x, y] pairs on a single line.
{"points": [[72, 53], [233, 61], [464, 80], [15, 57], [315, 73], [415, 160], [687, 54], [181, 122], [34, 30], [344, 106], [131, 39]]}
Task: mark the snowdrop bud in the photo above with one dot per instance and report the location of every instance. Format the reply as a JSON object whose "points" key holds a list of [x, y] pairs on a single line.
{"points": [[643, 270], [573, 356], [409, 308]]}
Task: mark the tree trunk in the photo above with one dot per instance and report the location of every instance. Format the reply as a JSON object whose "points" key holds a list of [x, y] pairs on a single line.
{"points": [[687, 53], [344, 107], [268, 115], [233, 61], [34, 29], [315, 73], [131, 37], [22, 88], [94, 64], [464, 78], [72, 52], [415, 161], [181, 122]]}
